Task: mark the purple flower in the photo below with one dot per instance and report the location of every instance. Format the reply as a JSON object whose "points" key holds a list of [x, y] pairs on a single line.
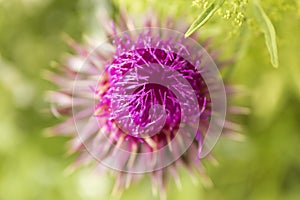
{"points": [[145, 101]]}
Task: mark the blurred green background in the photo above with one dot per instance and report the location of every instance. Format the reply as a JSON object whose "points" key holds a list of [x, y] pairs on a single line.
{"points": [[265, 166]]}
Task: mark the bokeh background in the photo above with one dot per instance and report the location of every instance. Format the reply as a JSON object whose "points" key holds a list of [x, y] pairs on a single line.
{"points": [[33, 166]]}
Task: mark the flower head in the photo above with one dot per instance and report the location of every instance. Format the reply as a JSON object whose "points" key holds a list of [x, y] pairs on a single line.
{"points": [[146, 100]]}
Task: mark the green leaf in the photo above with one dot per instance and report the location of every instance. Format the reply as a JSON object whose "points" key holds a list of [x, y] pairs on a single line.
{"points": [[268, 30], [204, 17]]}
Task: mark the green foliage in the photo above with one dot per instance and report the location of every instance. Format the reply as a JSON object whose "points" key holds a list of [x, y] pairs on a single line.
{"points": [[236, 9], [204, 17], [268, 30]]}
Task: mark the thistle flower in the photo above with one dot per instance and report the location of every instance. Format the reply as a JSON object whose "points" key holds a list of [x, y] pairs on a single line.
{"points": [[146, 101]]}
